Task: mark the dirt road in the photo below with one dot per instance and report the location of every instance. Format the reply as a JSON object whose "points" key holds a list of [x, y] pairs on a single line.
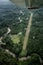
{"points": [[27, 32]]}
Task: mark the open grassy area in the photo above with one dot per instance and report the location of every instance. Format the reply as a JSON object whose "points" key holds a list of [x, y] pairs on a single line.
{"points": [[15, 39]]}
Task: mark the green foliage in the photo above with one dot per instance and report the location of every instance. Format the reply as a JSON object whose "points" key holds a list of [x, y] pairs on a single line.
{"points": [[3, 31], [23, 62], [6, 59], [15, 48], [33, 60], [23, 53], [35, 41]]}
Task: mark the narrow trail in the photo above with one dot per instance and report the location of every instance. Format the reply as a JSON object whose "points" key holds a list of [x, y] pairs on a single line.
{"points": [[24, 58], [1, 39], [9, 30], [27, 32], [9, 52]]}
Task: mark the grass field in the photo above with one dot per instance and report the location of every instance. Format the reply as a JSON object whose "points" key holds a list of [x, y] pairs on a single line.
{"points": [[15, 39]]}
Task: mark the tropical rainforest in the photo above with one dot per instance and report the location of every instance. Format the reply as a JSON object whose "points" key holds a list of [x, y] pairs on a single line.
{"points": [[13, 26]]}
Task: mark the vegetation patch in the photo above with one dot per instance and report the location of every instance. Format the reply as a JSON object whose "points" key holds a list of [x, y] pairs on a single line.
{"points": [[15, 39]]}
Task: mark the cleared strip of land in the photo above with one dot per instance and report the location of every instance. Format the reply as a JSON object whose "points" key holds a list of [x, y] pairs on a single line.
{"points": [[27, 32]]}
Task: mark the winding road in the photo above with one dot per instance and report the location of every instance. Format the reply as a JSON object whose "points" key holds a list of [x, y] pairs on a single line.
{"points": [[9, 30]]}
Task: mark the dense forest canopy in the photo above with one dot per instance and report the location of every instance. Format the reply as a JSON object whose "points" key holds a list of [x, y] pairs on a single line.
{"points": [[18, 25]]}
